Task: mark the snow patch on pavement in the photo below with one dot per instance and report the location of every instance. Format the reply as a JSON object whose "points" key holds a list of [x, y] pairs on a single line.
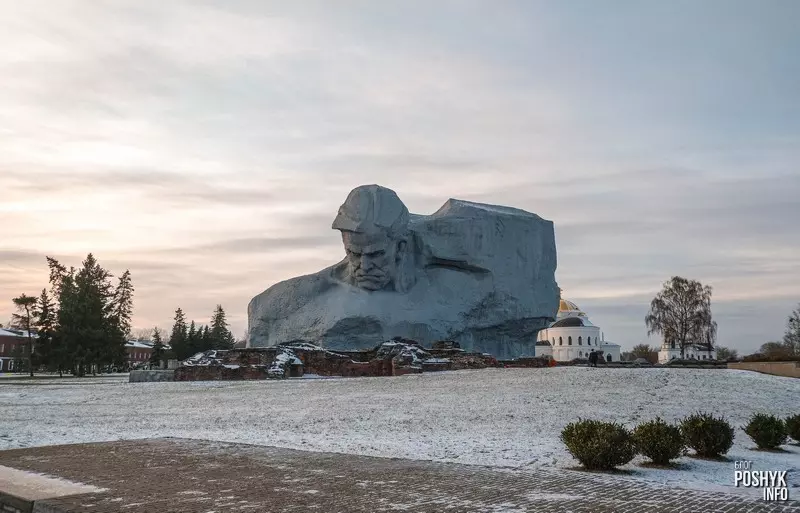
{"points": [[32, 486]]}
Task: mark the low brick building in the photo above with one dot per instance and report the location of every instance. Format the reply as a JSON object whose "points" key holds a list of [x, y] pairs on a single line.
{"points": [[13, 349], [138, 352]]}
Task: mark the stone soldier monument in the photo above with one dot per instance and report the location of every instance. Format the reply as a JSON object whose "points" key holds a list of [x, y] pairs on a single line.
{"points": [[481, 275]]}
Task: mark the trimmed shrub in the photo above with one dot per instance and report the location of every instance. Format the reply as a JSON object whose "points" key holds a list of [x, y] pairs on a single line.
{"points": [[707, 435], [659, 441], [598, 445], [767, 431], [793, 427]]}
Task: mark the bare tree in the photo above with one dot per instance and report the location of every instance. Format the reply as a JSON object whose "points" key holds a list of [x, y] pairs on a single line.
{"points": [[723, 353], [681, 313], [142, 333], [775, 350], [791, 339], [645, 351], [706, 334]]}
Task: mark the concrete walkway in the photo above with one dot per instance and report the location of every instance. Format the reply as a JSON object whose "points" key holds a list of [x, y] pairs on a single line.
{"points": [[182, 476]]}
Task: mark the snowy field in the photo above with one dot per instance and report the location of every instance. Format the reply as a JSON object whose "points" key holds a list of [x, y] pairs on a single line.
{"points": [[496, 417]]}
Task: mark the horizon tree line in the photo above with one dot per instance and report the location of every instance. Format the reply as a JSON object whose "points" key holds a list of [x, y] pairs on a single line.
{"points": [[83, 322], [187, 339]]}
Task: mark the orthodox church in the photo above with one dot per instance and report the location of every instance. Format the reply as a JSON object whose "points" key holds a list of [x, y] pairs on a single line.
{"points": [[672, 351], [573, 335]]}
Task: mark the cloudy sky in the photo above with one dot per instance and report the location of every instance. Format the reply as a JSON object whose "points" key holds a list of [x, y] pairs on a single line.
{"points": [[206, 145]]}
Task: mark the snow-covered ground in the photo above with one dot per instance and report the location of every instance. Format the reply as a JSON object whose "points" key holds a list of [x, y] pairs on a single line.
{"points": [[496, 417]]}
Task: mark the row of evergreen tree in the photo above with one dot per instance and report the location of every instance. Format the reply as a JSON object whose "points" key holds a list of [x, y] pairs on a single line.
{"points": [[188, 339], [82, 321]]}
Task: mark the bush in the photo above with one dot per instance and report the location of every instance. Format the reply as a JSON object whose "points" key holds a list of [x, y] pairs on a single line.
{"points": [[598, 445], [707, 435], [767, 431], [793, 427], [659, 441], [694, 363], [578, 361], [682, 363]]}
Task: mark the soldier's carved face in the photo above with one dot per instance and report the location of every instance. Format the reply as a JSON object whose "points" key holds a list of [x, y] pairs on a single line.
{"points": [[373, 259]]}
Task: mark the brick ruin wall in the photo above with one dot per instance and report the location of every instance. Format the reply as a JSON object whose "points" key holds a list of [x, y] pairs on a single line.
{"points": [[254, 364]]}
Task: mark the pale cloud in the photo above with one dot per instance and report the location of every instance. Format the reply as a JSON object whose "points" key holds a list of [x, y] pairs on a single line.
{"points": [[207, 145]]}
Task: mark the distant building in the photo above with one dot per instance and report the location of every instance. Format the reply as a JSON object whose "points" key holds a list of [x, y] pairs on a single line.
{"points": [[138, 351], [672, 351], [13, 348], [573, 336]]}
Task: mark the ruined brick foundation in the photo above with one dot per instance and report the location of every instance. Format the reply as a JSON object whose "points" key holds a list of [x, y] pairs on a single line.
{"points": [[394, 358]]}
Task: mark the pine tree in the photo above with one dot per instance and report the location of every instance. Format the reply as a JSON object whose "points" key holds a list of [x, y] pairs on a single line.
{"points": [[120, 310], [92, 319], [157, 356], [65, 332], [94, 325], [206, 338], [194, 342], [27, 308], [221, 337], [46, 351], [178, 340]]}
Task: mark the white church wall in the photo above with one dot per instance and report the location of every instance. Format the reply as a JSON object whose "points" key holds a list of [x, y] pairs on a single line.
{"points": [[611, 349], [580, 336], [690, 353]]}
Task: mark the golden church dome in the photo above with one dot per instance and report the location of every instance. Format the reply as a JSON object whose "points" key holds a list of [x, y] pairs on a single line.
{"points": [[569, 309]]}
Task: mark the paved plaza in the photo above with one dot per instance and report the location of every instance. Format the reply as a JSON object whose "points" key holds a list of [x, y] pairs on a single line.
{"points": [[182, 475]]}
